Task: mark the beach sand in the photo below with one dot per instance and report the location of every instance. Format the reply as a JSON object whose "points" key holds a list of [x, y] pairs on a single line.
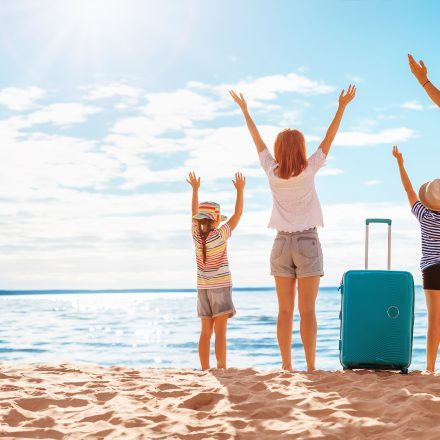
{"points": [[91, 402]]}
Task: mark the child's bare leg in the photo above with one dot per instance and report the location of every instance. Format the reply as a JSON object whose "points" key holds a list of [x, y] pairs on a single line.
{"points": [[433, 336], [220, 324], [205, 341]]}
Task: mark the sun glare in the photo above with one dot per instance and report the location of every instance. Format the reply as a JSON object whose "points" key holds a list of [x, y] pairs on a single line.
{"points": [[96, 35], [89, 31], [96, 18]]}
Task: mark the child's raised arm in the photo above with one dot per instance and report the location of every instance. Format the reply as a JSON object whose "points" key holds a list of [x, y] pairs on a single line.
{"points": [[420, 71], [239, 184], [412, 196], [195, 183], [253, 130], [344, 99]]}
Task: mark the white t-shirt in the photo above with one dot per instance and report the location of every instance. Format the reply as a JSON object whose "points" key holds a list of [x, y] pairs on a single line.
{"points": [[296, 205]]}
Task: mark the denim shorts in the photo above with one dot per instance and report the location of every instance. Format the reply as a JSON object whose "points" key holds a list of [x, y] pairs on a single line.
{"points": [[215, 302], [297, 254]]}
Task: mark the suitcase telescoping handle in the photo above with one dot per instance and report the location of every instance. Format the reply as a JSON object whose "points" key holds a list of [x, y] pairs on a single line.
{"points": [[377, 220]]}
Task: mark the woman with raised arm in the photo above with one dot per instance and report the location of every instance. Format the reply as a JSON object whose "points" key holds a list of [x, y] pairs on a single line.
{"points": [[296, 252], [420, 71]]}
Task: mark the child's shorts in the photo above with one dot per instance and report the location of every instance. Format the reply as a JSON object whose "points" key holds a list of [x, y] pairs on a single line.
{"points": [[215, 302], [297, 254], [431, 277]]}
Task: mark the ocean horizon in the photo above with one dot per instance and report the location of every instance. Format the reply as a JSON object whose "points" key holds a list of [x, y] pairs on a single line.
{"points": [[159, 290], [159, 328]]}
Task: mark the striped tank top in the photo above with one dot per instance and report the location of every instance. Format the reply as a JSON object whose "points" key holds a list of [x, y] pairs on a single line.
{"points": [[214, 273], [430, 226]]}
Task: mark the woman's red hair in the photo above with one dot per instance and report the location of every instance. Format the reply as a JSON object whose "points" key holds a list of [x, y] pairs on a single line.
{"points": [[290, 153]]}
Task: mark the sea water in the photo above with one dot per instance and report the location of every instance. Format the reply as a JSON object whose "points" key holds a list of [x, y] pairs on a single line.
{"points": [[161, 329]]}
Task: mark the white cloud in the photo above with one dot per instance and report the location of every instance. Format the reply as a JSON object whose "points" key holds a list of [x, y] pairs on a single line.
{"points": [[181, 108], [62, 114], [126, 92], [412, 105], [19, 99], [128, 239], [78, 212], [361, 139], [269, 87], [355, 79]]}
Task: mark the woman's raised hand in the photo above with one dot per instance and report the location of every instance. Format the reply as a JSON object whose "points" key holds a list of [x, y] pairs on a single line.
{"points": [[420, 71], [193, 180], [239, 182], [239, 100], [345, 98], [397, 154]]}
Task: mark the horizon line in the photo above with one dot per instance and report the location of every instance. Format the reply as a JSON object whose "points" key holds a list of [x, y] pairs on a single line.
{"points": [[5, 292]]}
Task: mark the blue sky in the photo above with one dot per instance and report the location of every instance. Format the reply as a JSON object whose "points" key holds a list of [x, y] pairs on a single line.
{"points": [[106, 105]]}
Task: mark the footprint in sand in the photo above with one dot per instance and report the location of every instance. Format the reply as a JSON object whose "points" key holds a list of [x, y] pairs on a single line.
{"points": [[5, 376], [6, 388], [105, 396], [276, 412], [134, 423], [35, 433], [14, 418], [40, 404], [42, 422], [98, 417], [238, 424], [164, 394], [101, 434], [167, 386], [258, 387], [238, 398], [201, 401]]}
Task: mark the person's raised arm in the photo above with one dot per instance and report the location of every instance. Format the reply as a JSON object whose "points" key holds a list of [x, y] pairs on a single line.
{"points": [[406, 183], [239, 184], [241, 102], [420, 71], [195, 183], [344, 99]]}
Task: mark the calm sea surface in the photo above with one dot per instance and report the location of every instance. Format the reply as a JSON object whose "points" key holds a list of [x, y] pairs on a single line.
{"points": [[161, 329]]}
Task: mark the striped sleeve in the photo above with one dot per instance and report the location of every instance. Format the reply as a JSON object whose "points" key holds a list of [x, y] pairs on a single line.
{"points": [[225, 231], [266, 160], [193, 227], [419, 211]]}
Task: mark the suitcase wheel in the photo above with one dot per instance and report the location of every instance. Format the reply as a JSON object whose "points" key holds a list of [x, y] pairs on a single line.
{"points": [[346, 368], [404, 371]]}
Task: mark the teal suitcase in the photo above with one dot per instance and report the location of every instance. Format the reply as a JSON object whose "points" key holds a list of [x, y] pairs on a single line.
{"points": [[377, 315]]}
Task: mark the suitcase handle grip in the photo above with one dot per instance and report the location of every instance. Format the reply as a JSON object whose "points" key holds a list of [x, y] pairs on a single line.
{"points": [[367, 224], [378, 220]]}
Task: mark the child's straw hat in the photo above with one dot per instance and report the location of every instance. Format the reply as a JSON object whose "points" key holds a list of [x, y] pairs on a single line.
{"points": [[210, 211], [429, 194]]}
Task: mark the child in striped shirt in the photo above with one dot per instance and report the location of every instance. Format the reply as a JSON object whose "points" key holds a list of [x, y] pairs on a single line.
{"points": [[214, 283], [426, 207]]}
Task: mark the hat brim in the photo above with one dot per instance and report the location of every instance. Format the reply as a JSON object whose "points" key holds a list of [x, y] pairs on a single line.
{"points": [[202, 216]]}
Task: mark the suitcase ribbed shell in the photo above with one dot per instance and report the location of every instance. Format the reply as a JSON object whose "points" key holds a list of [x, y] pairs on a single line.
{"points": [[377, 316]]}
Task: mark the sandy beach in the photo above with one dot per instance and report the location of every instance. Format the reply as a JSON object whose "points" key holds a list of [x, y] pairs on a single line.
{"points": [[91, 402]]}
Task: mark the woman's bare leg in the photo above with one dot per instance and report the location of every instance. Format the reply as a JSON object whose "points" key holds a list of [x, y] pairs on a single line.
{"points": [[307, 293], [433, 336], [205, 342], [286, 300], [220, 325]]}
